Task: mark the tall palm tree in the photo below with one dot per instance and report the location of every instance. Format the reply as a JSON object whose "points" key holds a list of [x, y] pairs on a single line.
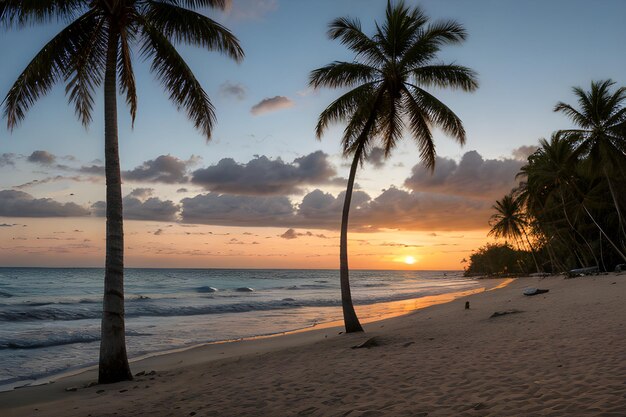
{"points": [[387, 96], [94, 48], [510, 221], [601, 133]]}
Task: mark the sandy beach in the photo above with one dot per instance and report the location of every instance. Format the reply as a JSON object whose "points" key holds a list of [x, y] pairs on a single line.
{"points": [[562, 353]]}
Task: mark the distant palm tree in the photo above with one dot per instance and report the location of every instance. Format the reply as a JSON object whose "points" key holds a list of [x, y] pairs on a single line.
{"points": [[510, 221], [386, 97], [94, 48], [601, 135]]}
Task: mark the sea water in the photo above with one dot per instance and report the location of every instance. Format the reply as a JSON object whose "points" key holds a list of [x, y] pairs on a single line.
{"points": [[50, 317]]}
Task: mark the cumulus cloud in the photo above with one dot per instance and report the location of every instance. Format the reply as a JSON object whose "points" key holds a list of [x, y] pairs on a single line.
{"points": [[142, 193], [42, 157], [289, 234], [20, 204], [392, 209], [138, 208], [233, 90], [263, 176], [165, 169], [237, 210], [473, 176], [92, 169], [7, 159], [376, 157], [271, 104], [523, 152], [292, 234]]}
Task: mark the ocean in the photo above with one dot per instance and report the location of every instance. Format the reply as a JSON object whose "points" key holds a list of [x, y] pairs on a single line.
{"points": [[50, 317]]}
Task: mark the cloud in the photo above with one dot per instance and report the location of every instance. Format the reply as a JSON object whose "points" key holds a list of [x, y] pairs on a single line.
{"points": [[165, 169], [231, 90], [376, 157], [141, 208], [182, 190], [473, 177], [92, 169], [57, 178], [250, 9], [20, 204], [7, 159], [271, 104], [292, 234], [263, 176], [42, 157], [523, 152], [289, 234], [236, 210]]}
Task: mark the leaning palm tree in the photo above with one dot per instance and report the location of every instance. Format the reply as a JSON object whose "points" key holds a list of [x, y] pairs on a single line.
{"points": [[95, 48], [601, 133], [386, 96]]}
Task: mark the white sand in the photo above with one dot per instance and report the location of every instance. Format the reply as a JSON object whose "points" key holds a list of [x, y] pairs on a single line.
{"points": [[564, 354]]}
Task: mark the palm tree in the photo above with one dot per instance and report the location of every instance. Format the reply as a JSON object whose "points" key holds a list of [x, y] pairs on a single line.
{"points": [[387, 96], [510, 221], [94, 48], [601, 133]]}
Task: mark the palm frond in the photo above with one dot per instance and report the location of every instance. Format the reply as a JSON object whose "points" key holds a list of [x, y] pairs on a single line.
{"points": [[420, 130], [340, 74], [24, 12], [342, 108], [48, 67], [446, 76], [126, 74], [430, 42], [197, 4], [186, 26], [86, 68], [577, 117], [349, 33], [438, 113], [178, 79], [391, 124]]}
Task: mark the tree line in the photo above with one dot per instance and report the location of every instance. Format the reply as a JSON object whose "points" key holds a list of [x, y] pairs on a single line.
{"points": [[568, 210]]}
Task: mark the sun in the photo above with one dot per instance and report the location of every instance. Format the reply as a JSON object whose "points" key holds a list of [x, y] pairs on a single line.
{"points": [[409, 260]]}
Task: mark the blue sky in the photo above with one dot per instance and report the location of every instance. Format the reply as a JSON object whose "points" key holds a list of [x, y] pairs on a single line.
{"points": [[528, 55]]}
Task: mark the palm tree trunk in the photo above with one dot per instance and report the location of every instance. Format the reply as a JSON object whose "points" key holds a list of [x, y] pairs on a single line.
{"points": [[615, 202], [350, 319], [113, 366]]}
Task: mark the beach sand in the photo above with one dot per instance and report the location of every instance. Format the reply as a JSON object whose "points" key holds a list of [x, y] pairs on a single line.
{"points": [[562, 353]]}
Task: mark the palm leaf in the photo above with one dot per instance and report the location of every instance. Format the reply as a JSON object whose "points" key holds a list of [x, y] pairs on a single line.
{"points": [[177, 78], [446, 76], [340, 74]]}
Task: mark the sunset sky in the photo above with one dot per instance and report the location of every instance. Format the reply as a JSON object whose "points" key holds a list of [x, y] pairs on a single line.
{"points": [[264, 193]]}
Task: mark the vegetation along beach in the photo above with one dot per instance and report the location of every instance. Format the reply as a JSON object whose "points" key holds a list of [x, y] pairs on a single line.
{"points": [[332, 208]]}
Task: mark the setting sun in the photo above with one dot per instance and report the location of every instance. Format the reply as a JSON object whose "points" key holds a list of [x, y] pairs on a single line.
{"points": [[409, 260]]}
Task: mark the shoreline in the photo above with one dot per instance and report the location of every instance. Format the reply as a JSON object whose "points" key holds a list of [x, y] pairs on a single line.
{"points": [[385, 311], [538, 358]]}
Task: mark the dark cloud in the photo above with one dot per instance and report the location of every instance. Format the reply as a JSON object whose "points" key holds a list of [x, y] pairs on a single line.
{"points": [[472, 177], [165, 169], [58, 178], [237, 210], [289, 234], [228, 89], [142, 193], [376, 157], [7, 159], [135, 208], [42, 157], [271, 104], [263, 176], [20, 204], [182, 190], [92, 169]]}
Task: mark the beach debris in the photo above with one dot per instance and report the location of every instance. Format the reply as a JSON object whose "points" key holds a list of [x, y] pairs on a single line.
{"points": [[580, 272], [142, 373], [100, 391], [534, 291], [467, 305], [71, 389], [369, 343], [504, 313], [407, 344], [620, 268]]}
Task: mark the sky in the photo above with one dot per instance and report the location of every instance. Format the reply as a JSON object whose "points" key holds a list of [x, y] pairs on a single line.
{"points": [[264, 192]]}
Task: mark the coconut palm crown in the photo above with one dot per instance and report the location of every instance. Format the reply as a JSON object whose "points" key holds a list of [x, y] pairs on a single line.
{"points": [[95, 49], [386, 95]]}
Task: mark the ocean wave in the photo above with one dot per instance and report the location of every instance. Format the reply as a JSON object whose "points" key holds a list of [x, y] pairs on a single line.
{"points": [[5, 294], [206, 289], [157, 309], [59, 339]]}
